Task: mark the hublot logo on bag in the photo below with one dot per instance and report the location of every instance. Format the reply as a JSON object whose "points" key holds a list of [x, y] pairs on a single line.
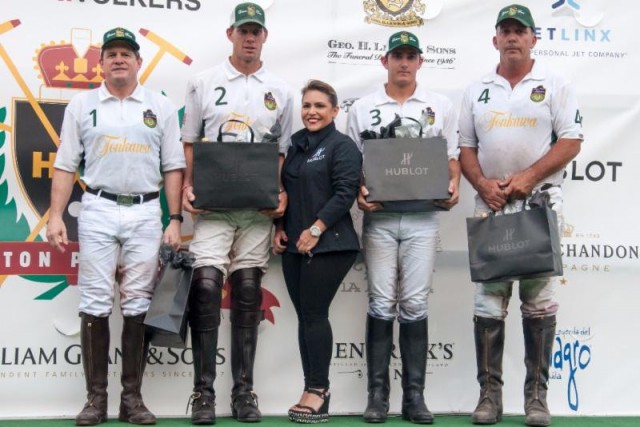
{"points": [[406, 169], [508, 243]]}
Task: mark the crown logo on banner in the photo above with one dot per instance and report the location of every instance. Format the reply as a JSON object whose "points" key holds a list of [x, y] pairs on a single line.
{"points": [[567, 230], [74, 65]]}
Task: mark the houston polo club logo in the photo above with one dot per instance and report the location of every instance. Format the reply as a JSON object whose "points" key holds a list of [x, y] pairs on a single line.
{"points": [[37, 123]]}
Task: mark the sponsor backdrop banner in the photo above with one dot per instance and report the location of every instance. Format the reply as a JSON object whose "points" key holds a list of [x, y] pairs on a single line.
{"points": [[49, 51]]}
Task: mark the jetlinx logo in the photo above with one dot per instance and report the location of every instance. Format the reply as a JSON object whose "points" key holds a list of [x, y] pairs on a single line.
{"points": [[405, 168], [588, 15]]}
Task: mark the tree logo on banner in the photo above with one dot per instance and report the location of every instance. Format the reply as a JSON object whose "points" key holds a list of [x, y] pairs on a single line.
{"points": [[394, 13]]}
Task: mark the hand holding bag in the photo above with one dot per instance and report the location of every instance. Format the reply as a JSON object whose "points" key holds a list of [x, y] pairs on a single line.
{"points": [[521, 245], [235, 175], [166, 318]]}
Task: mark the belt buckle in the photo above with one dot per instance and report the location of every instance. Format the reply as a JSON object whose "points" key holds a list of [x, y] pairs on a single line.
{"points": [[125, 199]]}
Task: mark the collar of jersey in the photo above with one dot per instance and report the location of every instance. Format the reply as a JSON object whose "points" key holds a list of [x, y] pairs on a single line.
{"points": [[137, 94], [537, 73], [232, 73], [419, 95]]}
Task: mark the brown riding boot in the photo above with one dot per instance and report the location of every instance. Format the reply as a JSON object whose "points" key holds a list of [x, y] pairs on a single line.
{"points": [[135, 347], [94, 340], [538, 343], [489, 338]]}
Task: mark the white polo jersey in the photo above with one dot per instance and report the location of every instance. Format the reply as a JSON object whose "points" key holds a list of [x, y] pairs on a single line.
{"points": [[514, 128], [120, 146], [223, 93], [378, 109]]}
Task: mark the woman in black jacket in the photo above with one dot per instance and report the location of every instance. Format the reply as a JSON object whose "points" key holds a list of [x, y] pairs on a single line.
{"points": [[321, 175]]}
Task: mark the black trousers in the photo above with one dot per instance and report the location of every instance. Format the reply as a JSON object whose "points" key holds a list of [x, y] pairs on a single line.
{"points": [[312, 284]]}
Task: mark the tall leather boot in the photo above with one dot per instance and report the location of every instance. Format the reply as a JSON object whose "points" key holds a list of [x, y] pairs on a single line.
{"points": [[538, 343], [246, 299], [379, 343], [413, 352], [489, 338], [94, 340], [135, 347], [204, 319]]}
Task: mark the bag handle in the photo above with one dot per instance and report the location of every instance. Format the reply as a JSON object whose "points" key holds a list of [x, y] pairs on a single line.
{"points": [[412, 119], [538, 199], [221, 134], [181, 258]]}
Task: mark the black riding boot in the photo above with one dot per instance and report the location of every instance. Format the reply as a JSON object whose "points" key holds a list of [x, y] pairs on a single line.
{"points": [[204, 319], [135, 347], [94, 340], [246, 299], [413, 352], [489, 337], [538, 343], [379, 343]]}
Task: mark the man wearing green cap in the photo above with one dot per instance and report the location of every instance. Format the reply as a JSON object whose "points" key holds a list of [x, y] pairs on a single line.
{"points": [[519, 127], [400, 238], [234, 243], [128, 140]]}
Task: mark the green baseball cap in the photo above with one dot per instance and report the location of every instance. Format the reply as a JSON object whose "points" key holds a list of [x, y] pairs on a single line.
{"points": [[245, 13], [120, 34], [520, 13], [403, 38]]}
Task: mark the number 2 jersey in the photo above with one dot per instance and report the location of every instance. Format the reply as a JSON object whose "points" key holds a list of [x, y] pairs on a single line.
{"points": [[222, 93]]}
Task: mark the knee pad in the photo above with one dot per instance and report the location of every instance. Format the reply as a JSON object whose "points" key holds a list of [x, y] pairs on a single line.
{"points": [[205, 298], [246, 297]]}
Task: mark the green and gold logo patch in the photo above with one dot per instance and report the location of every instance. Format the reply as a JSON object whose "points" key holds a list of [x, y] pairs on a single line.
{"points": [[149, 119], [270, 101], [431, 116], [538, 93]]}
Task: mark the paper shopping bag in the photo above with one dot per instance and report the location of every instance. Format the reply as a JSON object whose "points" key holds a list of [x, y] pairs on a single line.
{"points": [[521, 245], [235, 175], [166, 318], [406, 169]]}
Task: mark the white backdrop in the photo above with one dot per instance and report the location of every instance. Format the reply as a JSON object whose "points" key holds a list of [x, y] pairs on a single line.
{"points": [[593, 42]]}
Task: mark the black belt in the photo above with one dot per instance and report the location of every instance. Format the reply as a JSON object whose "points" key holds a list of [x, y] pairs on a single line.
{"points": [[125, 199]]}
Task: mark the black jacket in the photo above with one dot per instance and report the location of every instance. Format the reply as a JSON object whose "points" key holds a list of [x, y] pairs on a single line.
{"points": [[321, 175]]}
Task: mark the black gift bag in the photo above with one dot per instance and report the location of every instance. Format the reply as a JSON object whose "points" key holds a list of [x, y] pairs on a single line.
{"points": [[521, 245], [235, 175], [166, 318], [406, 169]]}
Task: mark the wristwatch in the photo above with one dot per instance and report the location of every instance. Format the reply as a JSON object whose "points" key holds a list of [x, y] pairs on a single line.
{"points": [[315, 231], [176, 217]]}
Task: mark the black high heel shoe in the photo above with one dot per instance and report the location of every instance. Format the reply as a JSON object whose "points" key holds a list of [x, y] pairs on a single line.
{"points": [[307, 415]]}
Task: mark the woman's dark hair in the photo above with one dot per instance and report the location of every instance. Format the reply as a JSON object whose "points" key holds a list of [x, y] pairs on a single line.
{"points": [[323, 87]]}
